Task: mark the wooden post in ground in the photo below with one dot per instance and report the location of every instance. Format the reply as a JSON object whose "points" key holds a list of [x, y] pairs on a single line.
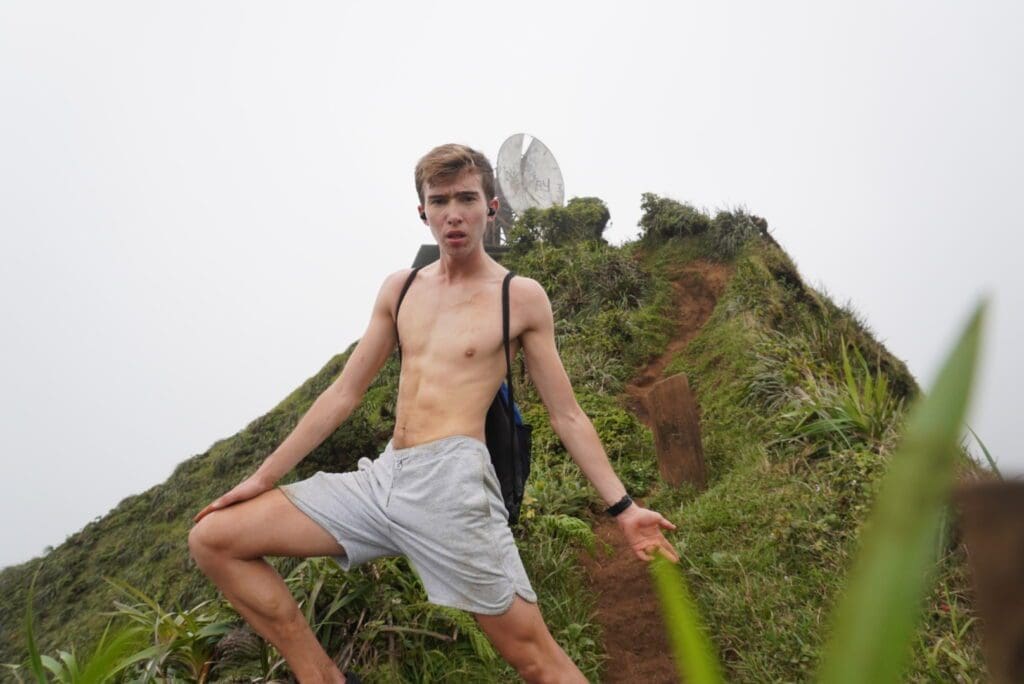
{"points": [[992, 519], [673, 412]]}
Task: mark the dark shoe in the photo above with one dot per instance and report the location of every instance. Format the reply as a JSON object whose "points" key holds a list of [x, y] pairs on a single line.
{"points": [[352, 678]]}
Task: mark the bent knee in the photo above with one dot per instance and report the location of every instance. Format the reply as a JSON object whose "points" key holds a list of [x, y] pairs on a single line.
{"points": [[208, 539]]}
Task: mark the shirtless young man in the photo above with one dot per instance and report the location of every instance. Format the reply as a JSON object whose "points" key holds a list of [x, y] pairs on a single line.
{"points": [[444, 509]]}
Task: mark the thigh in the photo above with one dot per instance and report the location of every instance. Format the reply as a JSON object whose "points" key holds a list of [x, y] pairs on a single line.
{"points": [[266, 525], [519, 634]]}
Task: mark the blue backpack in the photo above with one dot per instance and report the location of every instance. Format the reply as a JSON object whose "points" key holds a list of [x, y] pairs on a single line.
{"points": [[509, 440]]}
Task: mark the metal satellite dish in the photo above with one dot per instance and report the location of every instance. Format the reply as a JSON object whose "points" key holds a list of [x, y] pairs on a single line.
{"points": [[527, 176]]}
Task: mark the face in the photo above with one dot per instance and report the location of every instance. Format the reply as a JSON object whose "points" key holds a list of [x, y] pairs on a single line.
{"points": [[457, 213]]}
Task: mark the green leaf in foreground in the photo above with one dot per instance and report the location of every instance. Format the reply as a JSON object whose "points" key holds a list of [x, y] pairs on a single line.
{"points": [[875, 619], [988, 454], [695, 657], [35, 660]]}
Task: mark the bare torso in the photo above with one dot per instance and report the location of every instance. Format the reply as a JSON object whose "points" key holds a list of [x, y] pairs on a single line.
{"points": [[453, 359]]}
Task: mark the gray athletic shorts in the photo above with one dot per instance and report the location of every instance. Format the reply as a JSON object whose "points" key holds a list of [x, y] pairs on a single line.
{"points": [[438, 504]]}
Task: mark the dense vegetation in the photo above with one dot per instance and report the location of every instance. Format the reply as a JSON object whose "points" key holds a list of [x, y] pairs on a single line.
{"points": [[794, 446]]}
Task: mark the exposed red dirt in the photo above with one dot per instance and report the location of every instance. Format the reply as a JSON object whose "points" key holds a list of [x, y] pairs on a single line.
{"points": [[627, 608]]}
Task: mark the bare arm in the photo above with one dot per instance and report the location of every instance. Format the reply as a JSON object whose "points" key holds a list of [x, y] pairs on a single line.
{"points": [[641, 527], [336, 404], [333, 406]]}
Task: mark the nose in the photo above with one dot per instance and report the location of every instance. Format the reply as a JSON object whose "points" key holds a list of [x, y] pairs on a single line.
{"points": [[452, 218]]}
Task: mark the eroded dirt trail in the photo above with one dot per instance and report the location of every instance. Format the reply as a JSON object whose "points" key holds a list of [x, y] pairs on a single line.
{"points": [[627, 608]]}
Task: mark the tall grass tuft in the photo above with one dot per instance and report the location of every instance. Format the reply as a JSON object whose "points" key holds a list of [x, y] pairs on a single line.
{"points": [[34, 659], [183, 643], [988, 454], [860, 409], [876, 617], [112, 654]]}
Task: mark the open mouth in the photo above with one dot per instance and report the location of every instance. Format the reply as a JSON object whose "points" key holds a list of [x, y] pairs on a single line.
{"points": [[455, 235]]}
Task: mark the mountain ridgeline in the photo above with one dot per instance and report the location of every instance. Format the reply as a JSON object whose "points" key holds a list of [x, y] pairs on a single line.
{"points": [[793, 446]]}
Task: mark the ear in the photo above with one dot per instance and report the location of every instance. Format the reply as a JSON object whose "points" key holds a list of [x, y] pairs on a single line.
{"points": [[422, 213], [494, 204]]}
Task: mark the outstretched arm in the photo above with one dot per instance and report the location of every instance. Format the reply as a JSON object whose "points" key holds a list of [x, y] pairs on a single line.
{"points": [[333, 406], [642, 527]]}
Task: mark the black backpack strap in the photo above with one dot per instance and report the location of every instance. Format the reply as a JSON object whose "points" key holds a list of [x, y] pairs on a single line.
{"points": [[516, 466], [505, 325], [401, 296]]}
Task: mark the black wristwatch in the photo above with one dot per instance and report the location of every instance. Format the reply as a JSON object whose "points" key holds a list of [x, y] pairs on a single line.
{"points": [[619, 506]]}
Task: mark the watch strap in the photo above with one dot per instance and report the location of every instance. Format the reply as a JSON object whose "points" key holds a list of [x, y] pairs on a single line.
{"points": [[619, 506]]}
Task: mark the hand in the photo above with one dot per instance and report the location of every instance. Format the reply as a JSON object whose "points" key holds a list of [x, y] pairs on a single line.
{"points": [[642, 528], [249, 488]]}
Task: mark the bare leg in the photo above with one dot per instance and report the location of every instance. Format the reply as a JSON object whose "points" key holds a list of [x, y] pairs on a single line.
{"points": [[522, 639], [229, 545]]}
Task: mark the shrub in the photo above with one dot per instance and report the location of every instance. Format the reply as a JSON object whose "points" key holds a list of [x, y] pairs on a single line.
{"points": [[730, 231], [582, 219], [584, 276], [666, 218]]}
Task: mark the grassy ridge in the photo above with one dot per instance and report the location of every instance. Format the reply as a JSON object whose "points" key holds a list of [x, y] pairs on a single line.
{"points": [[767, 546], [793, 462], [144, 539]]}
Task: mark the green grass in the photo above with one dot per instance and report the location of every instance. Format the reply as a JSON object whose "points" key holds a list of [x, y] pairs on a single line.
{"points": [[877, 618], [767, 546], [764, 549], [878, 613]]}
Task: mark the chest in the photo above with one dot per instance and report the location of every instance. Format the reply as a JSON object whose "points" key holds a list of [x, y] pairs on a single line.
{"points": [[448, 323]]}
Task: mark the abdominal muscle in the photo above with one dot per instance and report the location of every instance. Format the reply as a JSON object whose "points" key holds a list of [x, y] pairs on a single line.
{"points": [[442, 397]]}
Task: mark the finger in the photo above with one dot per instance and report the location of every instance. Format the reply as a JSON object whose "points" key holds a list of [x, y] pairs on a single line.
{"points": [[667, 524], [668, 550], [643, 555], [210, 508]]}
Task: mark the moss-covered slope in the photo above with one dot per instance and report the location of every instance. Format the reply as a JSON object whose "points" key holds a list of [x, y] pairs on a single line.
{"points": [[765, 545]]}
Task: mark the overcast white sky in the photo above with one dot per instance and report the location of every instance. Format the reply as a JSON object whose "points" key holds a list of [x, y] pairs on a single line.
{"points": [[198, 201]]}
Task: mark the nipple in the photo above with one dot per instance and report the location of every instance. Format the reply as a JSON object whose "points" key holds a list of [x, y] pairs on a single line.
{"points": [[470, 351]]}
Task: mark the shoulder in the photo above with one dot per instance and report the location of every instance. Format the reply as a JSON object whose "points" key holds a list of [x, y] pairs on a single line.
{"points": [[396, 281], [527, 290], [392, 286], [528, 297]]}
